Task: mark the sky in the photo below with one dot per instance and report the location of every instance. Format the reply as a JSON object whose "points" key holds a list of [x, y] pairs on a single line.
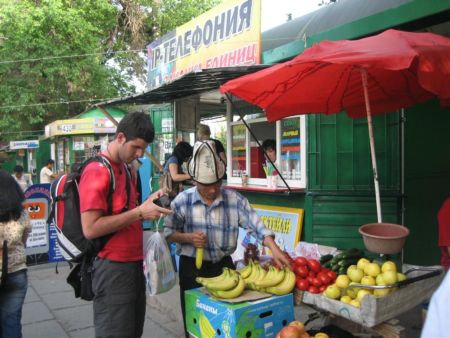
{"points": [[274, 12]]}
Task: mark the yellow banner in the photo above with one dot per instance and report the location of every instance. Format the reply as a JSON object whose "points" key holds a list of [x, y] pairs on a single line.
{"points": [[226, 36]]}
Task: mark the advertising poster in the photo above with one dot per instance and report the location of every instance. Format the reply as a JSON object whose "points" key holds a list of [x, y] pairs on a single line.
{"points": [[286, 223], [37, 204], [41, 244], [228, 35]]}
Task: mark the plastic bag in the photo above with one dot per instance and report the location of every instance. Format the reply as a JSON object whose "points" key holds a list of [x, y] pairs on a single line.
{"points": [[158, 267]]}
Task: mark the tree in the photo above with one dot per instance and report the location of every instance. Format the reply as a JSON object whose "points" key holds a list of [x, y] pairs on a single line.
{"points": [[60, 56]]}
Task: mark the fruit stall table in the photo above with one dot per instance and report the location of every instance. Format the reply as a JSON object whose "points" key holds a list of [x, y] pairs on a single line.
{"points": [[375, 312]]}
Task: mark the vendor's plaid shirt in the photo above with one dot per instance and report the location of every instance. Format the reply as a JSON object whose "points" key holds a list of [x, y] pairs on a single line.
{"points": [[220, 222]]}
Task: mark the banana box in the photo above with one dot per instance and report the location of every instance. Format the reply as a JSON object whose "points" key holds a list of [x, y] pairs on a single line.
{"points": [[207, 317]]}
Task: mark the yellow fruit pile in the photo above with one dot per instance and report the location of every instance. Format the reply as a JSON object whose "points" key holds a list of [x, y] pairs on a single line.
{"points": [[367, 273], [228, 285], [231, 283], [274, 281]]}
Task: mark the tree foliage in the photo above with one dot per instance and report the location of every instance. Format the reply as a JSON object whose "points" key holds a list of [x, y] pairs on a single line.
{"points": [[59, 56]]}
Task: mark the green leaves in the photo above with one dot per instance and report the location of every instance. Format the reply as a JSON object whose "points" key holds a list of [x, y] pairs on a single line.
{"points": [[59, 56]]}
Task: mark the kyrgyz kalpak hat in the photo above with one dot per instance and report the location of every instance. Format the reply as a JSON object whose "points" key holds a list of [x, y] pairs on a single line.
{"points": [[205, 166]]}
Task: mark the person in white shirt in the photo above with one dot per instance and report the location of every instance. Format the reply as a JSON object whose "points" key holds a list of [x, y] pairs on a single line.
{"points": [[437, 323], [47, 174], [23, 180]]}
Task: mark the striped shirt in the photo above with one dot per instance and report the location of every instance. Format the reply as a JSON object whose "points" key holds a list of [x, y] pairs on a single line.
{"points": [[220, 222]]}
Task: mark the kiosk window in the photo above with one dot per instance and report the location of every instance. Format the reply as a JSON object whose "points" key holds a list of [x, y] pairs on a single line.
{"points": [[238, 150], [289, 137]]}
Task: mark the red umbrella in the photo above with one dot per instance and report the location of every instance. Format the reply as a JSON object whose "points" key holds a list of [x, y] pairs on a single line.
{"points": [[396, 69]]}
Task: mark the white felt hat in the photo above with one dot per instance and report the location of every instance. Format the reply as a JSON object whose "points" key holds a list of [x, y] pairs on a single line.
{"points": [[205, 166]]}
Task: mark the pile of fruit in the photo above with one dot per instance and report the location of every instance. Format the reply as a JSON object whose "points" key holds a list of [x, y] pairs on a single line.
{"points": [[367, 273], [227, 285], [311, 276], [273, 280], [296, 329], [341, 261], [231, 283]]}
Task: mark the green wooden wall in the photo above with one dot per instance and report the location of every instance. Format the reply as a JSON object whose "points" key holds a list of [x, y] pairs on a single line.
{"points": [[340, 195], [427, 178]]}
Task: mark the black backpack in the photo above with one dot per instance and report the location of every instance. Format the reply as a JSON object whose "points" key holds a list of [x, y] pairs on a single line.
{"points": [[65, 214]]}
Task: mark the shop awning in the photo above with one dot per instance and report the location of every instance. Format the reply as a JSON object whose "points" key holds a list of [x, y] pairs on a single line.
{"points": [[187, 85]]}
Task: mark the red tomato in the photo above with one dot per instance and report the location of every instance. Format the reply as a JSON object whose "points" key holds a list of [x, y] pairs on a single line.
{"points": [[324, 278], [313, 289], [332, 275], [311, 274], [310, 280], [317, 282], [300, 261], [302, 284], [322, 288], [301, 271], [314, 265]]}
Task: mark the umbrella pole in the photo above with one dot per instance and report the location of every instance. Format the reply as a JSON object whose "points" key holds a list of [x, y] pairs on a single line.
{"points": [[372, 144]]}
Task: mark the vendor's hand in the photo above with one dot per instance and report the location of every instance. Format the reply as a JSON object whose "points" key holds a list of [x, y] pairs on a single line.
{"points": [[278, 255], [198, 239], [280, 259], [149, 210]]}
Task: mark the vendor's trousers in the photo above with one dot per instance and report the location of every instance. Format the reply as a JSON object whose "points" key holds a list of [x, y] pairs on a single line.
{"points": [[188, 272]]}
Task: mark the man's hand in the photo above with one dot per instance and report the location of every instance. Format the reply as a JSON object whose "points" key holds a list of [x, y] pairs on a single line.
{"points": [[278, 255], [198, 239], [149, 210]]}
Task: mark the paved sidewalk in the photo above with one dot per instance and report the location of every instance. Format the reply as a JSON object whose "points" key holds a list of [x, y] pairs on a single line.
{"points": [[52, 311]]}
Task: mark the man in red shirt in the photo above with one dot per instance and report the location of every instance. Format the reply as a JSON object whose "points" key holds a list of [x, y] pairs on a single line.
{"points": [[118, 281], [444, 233]]}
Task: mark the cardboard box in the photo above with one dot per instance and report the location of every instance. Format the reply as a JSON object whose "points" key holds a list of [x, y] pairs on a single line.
{"points": [[375, 310], [207, 317]]}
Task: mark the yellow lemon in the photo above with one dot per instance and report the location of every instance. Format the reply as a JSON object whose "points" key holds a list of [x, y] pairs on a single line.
{"points": [[362, 262], [401, 277], [355, 303], [389, 277], [346, 299], [362, 293], [332, 291], [368, 280], [381, 292], [342, 281], [389, 266], [351, 267], [355, 275], [372, 269]]}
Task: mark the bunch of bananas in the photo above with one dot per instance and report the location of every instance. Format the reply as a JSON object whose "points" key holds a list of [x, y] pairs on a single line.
{"points": [[274, 281], [227, 285]]}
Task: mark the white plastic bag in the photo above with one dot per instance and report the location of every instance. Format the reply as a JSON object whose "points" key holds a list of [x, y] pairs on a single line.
{"points": [[158, 267]]}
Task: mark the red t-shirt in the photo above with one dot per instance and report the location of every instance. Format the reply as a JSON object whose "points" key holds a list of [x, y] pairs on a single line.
{"points": [[126, 244], [444, 232]]}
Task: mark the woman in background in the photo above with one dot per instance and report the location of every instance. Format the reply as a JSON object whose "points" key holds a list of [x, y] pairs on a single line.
{"points": [[180, 154], [14, 230]]}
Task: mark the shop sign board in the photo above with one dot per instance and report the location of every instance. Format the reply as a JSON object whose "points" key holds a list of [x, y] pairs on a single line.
{"points": [[26, 144], [286, 223], [99, 125], [227, 35], [260, 318]]}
